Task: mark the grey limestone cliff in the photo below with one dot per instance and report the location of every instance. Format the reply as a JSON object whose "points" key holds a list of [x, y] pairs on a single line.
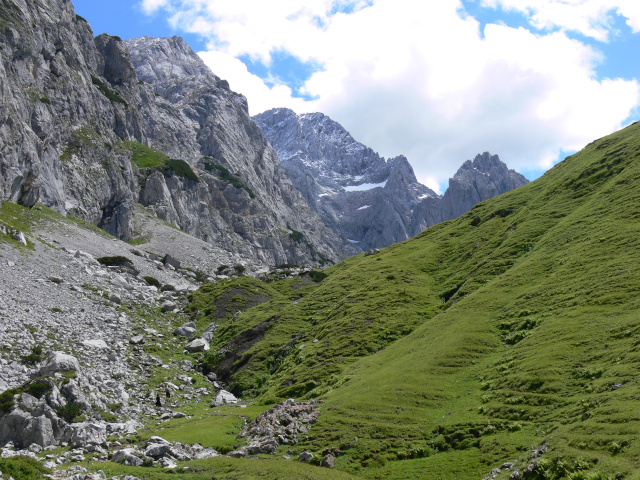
{"points": [[91, 127], [370, 201]]}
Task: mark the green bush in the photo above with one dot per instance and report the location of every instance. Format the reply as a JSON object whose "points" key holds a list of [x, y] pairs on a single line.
{"points": [[117, 261], [38, 388], [35, 356], [70, 411], [152, 281], [181, 168], [6, 399], [296, 236], [23, 468]]}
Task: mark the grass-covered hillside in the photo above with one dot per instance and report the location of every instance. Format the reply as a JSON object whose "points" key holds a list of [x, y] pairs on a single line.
{"points": [[513, 327]]}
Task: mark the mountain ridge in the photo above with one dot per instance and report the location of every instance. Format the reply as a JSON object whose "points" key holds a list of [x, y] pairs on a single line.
{"points": [[370, 201]]}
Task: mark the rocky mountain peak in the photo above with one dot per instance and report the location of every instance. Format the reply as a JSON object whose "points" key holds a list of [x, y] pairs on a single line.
{"points": [[370, 201], [485, 176]]}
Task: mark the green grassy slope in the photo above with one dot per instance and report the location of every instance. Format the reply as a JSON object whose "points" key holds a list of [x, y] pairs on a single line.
{"points": [[451, 353]]}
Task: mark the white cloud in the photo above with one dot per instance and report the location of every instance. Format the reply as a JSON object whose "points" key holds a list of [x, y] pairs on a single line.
{"points": [[150, 6], [417, 78], [260, 96], [592, 18]]}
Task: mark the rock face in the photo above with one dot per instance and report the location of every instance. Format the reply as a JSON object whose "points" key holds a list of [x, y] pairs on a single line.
{"points": [[75, 111], [371, 202]]}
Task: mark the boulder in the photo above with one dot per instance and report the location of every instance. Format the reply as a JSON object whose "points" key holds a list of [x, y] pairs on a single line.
{"points": [[223, 397], [136, 340], [86, 433], [198, 345], [59, 362], [209, 332], [169, 260], [115, 298], [305, 457], [187, 330], [328, 461], [168, 306], [206, 453], [96, 343], [19, 237], [157, 450], [126, 457]]}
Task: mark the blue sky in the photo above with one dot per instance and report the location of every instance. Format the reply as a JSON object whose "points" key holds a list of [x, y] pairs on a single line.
{"points": [[529, 80]]}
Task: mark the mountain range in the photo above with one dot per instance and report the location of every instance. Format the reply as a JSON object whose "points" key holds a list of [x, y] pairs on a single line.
{"points": [[370, 201]]}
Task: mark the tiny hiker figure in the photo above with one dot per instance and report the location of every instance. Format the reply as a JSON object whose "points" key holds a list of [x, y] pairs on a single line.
{"points": [[167, 391], [158, 402]]}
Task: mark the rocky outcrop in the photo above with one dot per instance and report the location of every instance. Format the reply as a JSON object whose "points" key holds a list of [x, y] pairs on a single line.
{"points": [[280, 425], [371, 202], [77, 118]]}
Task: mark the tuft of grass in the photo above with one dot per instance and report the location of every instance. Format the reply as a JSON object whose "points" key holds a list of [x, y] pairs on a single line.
{"points": [[145, 157], [152, 281]]}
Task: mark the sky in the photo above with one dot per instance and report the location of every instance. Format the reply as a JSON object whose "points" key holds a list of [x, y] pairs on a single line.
{"points": [[438, 81]]}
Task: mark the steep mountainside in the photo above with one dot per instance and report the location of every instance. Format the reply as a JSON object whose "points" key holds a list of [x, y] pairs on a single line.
{"points": [[91, 130], [505, 339], [370, 201]]}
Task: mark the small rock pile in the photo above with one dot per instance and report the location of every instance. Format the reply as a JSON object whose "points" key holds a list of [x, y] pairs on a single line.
{"points": [[280, 425]]}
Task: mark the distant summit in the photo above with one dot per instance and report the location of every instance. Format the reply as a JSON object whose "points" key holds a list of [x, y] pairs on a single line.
{"points": [[369, 201]]}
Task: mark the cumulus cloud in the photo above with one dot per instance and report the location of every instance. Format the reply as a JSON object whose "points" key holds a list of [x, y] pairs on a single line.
{"points": [[592, 18], [261, 97], [421, 79]]}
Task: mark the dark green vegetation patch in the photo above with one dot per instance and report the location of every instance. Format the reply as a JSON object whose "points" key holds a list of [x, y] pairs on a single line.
{"points": [[117, 261], [146, 157], [22, 468], [180, 168], [224, 174], [510, 328], [108, 92]]}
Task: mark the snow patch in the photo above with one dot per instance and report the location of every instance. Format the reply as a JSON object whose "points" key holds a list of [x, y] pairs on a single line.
{"points": [[364, 206], [364, 187], [353, 241]]}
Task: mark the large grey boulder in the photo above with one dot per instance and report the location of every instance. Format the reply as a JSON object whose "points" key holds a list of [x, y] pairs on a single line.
{"points": [[86, 433], [24, 429], [223, 397], [198, 345], [186, 330], [59, 362], [126, 457]]}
